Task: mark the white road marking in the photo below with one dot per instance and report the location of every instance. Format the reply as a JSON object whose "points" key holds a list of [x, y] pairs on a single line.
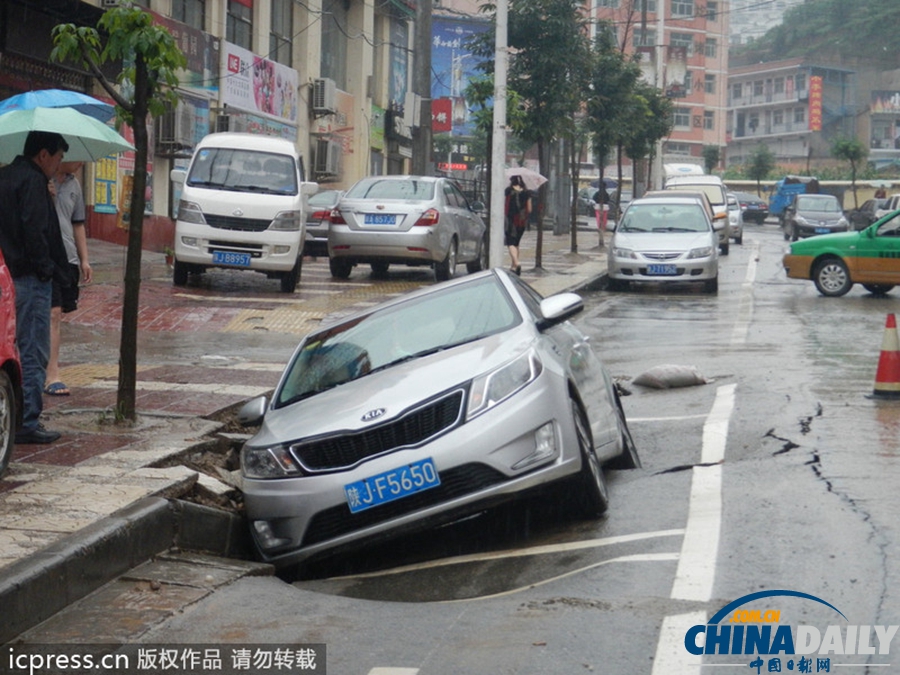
{"points": [[745, 307], [519, 553], [671, 656]]}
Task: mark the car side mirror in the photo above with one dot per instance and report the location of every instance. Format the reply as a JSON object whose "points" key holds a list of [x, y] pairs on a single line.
{"points": [[559, 308], [177, 175], [252, 412], [478, 207]]}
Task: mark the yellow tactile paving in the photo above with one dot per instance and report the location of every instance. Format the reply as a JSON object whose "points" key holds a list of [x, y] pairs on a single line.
{"points": [[281, 320], [85, 374]]}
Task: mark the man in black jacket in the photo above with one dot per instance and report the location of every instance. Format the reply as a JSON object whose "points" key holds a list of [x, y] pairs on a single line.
{"points": [[33, 249]]}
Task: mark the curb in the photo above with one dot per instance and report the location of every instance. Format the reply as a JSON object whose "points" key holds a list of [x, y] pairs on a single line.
{"points": [[34, 589]]}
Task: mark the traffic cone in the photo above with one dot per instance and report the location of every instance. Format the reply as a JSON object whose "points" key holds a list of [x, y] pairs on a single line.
{"points": [[887, 377]]}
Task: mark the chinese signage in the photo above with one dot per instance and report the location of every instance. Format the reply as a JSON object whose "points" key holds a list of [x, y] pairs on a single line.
{"points": [[454, 65], [441, 115], [202, 53], [257, 85], [886, 102], [815, 103]]}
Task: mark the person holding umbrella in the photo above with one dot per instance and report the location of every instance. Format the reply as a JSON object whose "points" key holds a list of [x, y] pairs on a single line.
{"points": [[517, 210], [34, 252]]}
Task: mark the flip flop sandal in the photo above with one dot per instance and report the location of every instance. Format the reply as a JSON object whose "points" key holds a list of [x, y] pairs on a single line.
{"points": [[56, 389]]}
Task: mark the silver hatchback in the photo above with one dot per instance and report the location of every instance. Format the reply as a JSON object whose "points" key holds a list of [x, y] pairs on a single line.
{"points": [[407, 220], [426, 408]]}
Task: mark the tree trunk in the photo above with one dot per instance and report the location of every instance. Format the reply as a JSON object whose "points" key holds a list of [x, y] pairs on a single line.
{"points": [[126, 401]]}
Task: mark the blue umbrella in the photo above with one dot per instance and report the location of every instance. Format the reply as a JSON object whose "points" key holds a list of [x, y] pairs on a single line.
{"points": [[59, 98]]}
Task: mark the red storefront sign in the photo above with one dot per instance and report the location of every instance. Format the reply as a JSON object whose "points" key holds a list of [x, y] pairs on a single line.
{"points": [[815, 103], [441, 115]]}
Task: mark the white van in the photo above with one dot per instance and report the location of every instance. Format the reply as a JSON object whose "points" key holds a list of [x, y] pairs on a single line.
{"points": [[243, 206], [717, 193]]}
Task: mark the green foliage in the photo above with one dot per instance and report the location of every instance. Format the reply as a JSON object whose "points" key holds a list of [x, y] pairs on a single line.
{"points": [[711, 156], [852, 30], [125, 35]]}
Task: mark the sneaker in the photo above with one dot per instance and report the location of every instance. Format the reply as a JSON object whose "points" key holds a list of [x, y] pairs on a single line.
{"points": [[38, 435]]}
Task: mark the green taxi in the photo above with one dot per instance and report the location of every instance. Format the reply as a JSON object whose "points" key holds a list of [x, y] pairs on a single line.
{"points": [[834, 262]]}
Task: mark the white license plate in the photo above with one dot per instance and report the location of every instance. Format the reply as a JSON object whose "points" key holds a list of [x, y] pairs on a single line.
{"points": [[391, 485], [380, 219], [662, 269], [231, 258]]}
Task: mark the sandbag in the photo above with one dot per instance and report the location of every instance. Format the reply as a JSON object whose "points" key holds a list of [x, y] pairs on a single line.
{"points": [[670, 376]]}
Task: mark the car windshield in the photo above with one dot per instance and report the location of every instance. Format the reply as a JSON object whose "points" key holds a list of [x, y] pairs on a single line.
{"points": [[375, 188], [824, 205], [414, 328], [664, 217], [244, 171], [714, 192]]}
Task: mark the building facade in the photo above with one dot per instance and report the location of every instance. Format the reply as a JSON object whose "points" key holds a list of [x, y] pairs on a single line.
{"points": [[683, 46], [331, 75]]}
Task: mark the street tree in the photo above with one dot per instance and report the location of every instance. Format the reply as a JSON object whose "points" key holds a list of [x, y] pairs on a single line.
{"points": [[711, 156], [149, 61], [854, 151], [760, 165], [653, 115]]}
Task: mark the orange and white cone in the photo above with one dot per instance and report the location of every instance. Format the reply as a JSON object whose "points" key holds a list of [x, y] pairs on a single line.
{"points": [[887, 377]]}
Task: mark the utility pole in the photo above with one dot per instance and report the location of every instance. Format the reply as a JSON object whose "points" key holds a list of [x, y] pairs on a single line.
{"points": [[422, 164], [498, 135]]}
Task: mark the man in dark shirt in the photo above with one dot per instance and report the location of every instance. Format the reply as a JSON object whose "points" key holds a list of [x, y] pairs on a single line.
{"points": [[34, 252]]}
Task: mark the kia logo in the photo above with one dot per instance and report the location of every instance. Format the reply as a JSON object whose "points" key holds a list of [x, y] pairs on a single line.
{"points": [[372, 415]]}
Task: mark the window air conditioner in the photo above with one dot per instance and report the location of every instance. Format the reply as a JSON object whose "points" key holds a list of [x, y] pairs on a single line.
{"points": [[328, 158], [324, 95]]}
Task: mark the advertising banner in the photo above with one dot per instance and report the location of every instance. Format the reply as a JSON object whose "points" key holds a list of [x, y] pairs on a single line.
{"points": [[454, 65], [257, 85], [815, 103]]}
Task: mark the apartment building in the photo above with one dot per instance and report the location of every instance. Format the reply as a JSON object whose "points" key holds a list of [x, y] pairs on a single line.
{"points": [[334, 76], [684, 49], [794, 107]]}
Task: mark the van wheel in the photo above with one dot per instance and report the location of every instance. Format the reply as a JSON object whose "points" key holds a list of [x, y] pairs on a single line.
{"points": [[340, 268], [290, 279], [179, 273]]}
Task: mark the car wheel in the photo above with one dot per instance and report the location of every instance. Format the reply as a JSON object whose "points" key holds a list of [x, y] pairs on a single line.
{"points": [[445, 269], [711, 285], [481, 262], [179, 273], [629, 458], [878, 289], [380, 269], [290, 279], [592, 497], [7, 420], [739, 240], [832, 278], [340, 268]]}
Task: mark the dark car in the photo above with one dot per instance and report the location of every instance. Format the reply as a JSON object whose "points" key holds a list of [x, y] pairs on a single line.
{"points": [[754, 208], [809, 215], [866, 214]]}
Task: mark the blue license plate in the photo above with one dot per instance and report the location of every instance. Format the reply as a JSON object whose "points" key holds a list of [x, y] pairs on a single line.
{"points": [[391, 485], [822, 230], [662, 269], [380, 219], [231, 258]]}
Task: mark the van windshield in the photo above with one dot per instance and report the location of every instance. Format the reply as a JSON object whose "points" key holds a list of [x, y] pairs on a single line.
{"points": [[715, 192], [244, 171]]}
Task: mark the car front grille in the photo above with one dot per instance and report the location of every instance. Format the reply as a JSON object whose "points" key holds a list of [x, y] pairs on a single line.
{"points": [[456, 482], [662, 256], [233, 223], [344, 450]]}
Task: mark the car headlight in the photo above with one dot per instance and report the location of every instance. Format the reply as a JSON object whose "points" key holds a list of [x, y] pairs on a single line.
{"points": [[703, 252], [843, 222], [623, 253], [491, 388], [800, 220], [286, 221], [268, 462], [190, 212]]}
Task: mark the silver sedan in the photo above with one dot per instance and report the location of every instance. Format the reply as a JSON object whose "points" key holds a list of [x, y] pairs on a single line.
{"points": [[408, 220], [426, 408]]}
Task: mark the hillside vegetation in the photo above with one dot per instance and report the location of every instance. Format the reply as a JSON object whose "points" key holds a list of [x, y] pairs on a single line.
{"points": [[829, 29]]}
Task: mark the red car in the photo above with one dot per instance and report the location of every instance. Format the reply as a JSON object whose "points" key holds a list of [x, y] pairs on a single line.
{"points": [[10, 368]]}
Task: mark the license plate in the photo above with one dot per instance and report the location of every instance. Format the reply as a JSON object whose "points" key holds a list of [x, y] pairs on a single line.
{"points": [[391, 485], [380, 219], [231, 258], [662, 269], [822, 230]]}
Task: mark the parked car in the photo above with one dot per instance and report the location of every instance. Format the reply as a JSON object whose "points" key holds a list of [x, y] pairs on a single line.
{"points": [[715, 190], [834, 262], [10, 368], [786, 190], [617, 207], [754, 208], [426, 408], [664, 240], [584, 204], [408, 220], [242, 207], [811, 214], [867, 213], [318, 220], [891, 203], [721, 222], [735, 219]]}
